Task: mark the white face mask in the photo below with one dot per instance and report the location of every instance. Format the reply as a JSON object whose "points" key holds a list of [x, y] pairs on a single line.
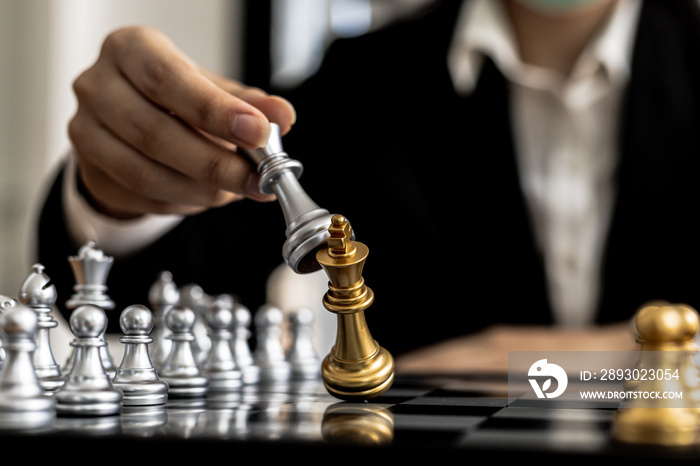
{"points": [[558, 6]]}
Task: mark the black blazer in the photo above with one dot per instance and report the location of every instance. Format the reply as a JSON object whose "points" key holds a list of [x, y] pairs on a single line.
{"points": [[428, 181]]}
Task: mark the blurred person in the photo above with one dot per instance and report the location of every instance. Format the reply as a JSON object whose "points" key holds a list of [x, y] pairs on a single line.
{"points": [[521, 170]]}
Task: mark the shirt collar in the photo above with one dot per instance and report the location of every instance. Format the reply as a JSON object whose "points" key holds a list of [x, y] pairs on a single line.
{"points": [[483, 29]]}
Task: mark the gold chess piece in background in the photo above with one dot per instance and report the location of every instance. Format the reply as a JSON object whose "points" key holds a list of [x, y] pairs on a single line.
{"points": [[357, 367], [666, 334]]}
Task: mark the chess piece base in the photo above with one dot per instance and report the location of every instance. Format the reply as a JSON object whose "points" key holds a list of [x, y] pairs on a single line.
{"points": [[274, 372], [143, 394], [187, 386], [358, 380], [105, 403], [15, 404], [224, 381], [51, 384], [657, 426], [26, 420]]}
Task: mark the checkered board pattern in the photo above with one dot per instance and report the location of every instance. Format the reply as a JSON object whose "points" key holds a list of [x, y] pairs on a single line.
{"points": [[476, 413], [463, 416], [470, 417]]}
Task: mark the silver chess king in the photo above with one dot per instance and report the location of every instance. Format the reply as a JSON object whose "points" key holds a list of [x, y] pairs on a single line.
{"points": [[307, 223]]}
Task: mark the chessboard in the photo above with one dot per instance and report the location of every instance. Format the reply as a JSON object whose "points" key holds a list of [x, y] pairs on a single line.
{"points": [[270, 403], [452, 416]]}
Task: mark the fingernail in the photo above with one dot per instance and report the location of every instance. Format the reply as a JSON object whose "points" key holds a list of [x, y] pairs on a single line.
{"points": [[250, 129]]}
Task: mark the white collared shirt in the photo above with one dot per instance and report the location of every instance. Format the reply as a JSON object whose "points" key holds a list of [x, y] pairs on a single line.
{"points": [[565, 132]]}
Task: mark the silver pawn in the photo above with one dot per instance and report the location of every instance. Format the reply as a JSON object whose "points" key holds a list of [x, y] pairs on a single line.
{"points": [[180, 370], [5, 304], [220, 365], [105, 356], [90, 268], [136, 377], [88, 390], [269, 353], [162, 296], [240, 344], [194, 297], [22, 398], [301, 354], [40, 295]]}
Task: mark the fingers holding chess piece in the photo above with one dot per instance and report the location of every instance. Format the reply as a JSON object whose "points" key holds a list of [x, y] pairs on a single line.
{"points": [[357, 367], [307, 223]]}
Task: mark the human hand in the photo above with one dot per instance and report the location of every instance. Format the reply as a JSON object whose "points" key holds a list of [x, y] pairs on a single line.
{"points": [[155, 133]]}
